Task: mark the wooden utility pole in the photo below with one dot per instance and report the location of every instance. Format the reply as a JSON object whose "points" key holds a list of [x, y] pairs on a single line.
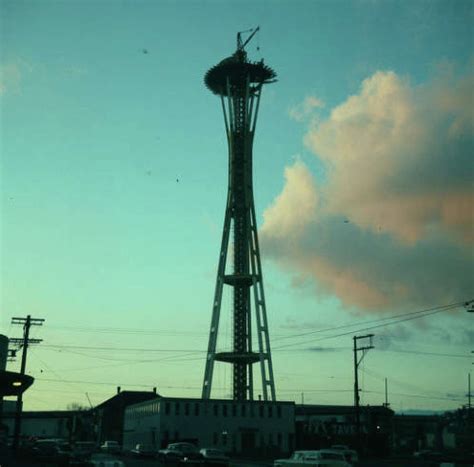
{"points": [[357, 362], [23, 343]]}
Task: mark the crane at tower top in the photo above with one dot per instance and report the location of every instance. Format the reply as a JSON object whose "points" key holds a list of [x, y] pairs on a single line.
{"points": [[241, 45]]}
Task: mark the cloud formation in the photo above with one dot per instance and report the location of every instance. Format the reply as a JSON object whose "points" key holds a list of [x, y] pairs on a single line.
{"points": [[392, 222], [305, 109]]}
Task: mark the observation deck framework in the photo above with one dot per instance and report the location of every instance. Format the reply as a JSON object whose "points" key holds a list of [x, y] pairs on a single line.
{"points": [[239, 84]]}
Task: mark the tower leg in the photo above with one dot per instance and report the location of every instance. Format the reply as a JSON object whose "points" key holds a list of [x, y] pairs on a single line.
{"points": [[216, 309]]}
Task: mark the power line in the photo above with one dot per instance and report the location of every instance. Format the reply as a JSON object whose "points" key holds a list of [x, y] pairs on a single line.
{"points": [[115, 349], [143, 331], [368, 328], [382, 323], [114, 330], [373, 321], [418, 396], [431, 354]]}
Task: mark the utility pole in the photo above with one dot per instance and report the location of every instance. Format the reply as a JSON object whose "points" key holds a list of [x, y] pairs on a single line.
{"points": [[23, 344], [357, 362], [469, 391], [386, 393]]}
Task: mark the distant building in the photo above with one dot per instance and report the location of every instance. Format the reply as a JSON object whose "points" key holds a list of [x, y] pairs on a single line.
{"points": [[248, 427], [458, 430], [416, 432], [320, 426], [109, 415], [70, 425]]}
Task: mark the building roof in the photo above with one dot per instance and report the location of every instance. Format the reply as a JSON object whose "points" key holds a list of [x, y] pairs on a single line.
{"points": [[210, 401], [46, 414], [125, 398]]}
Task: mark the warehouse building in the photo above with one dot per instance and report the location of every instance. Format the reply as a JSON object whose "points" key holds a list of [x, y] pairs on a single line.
{"points": [[236, 427]]}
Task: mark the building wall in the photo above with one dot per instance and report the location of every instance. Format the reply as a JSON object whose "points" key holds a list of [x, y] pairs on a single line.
{"points": [[40, 427], [232, 426]]}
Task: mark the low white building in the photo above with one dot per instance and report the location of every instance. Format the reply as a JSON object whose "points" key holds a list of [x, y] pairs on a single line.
{"points": [[238, 427]]}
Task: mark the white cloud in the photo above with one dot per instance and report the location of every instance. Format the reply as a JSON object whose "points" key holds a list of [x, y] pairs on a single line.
{"points": [[393, 221], [305, 109], [295, 207]]}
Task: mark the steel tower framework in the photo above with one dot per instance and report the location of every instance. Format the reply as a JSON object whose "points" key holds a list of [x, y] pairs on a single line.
{"points": [[239, 84]]}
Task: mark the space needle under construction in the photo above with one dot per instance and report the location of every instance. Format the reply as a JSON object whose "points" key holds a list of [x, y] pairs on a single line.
{"points": [[239, 83]]}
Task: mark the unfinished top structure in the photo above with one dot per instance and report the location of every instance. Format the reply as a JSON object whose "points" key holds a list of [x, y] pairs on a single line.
{"points": [[239, 84]]}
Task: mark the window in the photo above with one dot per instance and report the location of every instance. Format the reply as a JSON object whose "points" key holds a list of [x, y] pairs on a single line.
{"points": [[196, 409], [270, 411], [216, 410], [224, 438], [167, 408], [242, 410], [279, 411], [280, 439], [224, 410], [234, 410], [270, 439], [186, 408], [176, 408], [214, 438], [260, 411]]}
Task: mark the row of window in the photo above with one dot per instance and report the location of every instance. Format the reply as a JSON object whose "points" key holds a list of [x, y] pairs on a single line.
{"points": [[225, 410], [218, 409]]}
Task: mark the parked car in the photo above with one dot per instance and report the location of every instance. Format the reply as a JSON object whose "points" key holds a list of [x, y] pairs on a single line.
{"points": [[104, 460], [179, 451], [350, 454], [49, 451], [111, 447], [428, 455], [82, 451], [214, 457], [323, 457], [143, 450]]}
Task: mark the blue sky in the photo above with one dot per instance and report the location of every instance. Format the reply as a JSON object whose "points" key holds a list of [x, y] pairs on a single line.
{"points": [[370, 123]]}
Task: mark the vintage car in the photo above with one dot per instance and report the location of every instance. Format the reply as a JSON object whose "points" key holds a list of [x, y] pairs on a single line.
{"points": [[321, 458], [143, 450], [350, 454], [111, 447], [104, 460], [179, 451], [214, 457]]}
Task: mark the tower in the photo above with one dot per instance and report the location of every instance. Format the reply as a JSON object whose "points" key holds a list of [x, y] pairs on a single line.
{"points": [[239, 84]]}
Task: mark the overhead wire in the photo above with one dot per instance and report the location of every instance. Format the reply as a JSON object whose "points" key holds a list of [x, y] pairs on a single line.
{"points": [[378, 320], [363, 329]]}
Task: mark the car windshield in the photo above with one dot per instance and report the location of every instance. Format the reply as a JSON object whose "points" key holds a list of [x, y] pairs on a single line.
{"points": [[331, 455], [46, 443], [102, 457], [213, 452]]}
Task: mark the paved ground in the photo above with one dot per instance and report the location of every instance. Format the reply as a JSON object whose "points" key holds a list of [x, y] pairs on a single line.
{"points": [[154, 463], [9, 462], [367, 463]]}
